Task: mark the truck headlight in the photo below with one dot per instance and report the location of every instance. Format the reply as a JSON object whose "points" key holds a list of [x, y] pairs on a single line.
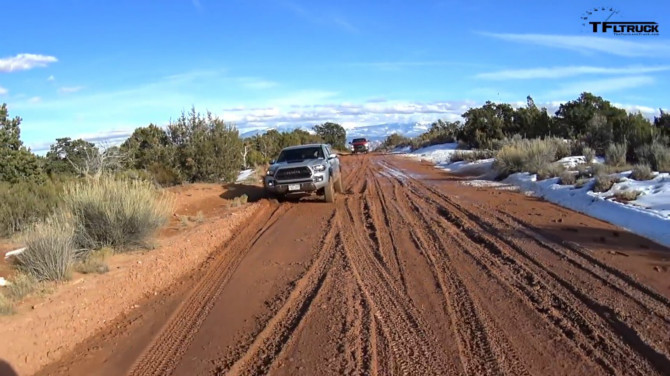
{"points": [[318, 168], [270, 173]]}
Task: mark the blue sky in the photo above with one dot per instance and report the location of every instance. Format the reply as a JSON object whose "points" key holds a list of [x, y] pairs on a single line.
{"points": [[100, 69]]}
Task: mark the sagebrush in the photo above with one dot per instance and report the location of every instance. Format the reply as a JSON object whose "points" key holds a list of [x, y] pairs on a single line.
{"points": [[121, 214], [50, 249]]}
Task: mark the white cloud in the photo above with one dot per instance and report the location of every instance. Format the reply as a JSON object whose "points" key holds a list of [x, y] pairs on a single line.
{"points": [[3, 91], [25, 62], [70, 89], [562, 72], [51, 78], [35, 100], [589, 44], [599, 87]]}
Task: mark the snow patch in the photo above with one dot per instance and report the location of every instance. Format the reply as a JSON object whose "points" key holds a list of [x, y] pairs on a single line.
{"points": [[244, 175], [648, 215]]}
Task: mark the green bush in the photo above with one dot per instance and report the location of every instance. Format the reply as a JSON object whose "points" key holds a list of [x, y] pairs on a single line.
{"points": [[642, 172], [25, 203], [50, 249], [615, 155], [603, 183], [118, 213], [568, 178]]}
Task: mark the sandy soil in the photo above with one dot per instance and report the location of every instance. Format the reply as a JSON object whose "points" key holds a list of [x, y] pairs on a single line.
{"points": [[411, 273], [46, 327]]}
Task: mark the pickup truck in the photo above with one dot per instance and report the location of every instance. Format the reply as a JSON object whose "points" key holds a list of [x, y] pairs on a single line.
{"points": [[308, 169], [360, 145]]}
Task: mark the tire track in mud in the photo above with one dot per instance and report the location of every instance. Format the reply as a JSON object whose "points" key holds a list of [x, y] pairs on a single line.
{"points": [[483, 348], [561, 267], [569, 308], [166, 349], [268, 344], [411, 346]]}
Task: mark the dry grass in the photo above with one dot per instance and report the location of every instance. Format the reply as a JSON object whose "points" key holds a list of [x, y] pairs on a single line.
{"points": [[627, 195], [95, 262], [530, 156], [200, 217], [568, 178], [239, 201], [642, 172], [6, 306], [615, 155], [21, 286], [603, 183], [50, 249], [118, 213]]}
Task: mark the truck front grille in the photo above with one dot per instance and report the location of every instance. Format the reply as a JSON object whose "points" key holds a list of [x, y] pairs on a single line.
{"points": [[293, 173]]}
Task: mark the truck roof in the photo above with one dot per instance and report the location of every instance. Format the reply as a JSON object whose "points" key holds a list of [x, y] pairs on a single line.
{"points": [[302, 146]]}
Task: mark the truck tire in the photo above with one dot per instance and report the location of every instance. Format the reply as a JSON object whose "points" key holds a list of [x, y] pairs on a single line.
{"points": [[338, 185], [329, 192]]}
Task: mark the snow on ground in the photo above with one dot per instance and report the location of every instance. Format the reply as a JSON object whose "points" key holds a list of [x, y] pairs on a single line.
{"points": [[436, 153], [648, 215], [244, 175]]}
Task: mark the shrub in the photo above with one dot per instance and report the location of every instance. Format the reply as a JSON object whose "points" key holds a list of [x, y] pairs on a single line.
{"points": [[25, 203], [509, 160], [164, 176], [21, 285], [600, 169], [581, 182], [530, 156], [627, 195], [642, 172], [656, 155], [552, 170], [568, 178], [589, 154], [615, 155], [471, 155], [239, 201], [603, 183], [92, 264], [6, 306], [116, 213], [50, 249]]}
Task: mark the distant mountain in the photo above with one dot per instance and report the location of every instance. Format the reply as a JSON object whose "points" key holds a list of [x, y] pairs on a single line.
{"points": [[376, 132]]}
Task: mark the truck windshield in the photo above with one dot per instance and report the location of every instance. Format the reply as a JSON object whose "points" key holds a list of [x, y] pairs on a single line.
{"points": [[297, 155], [356, 140]]}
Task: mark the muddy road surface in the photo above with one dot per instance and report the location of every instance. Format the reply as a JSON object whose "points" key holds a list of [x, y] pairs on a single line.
{"points": [[408, 273]]}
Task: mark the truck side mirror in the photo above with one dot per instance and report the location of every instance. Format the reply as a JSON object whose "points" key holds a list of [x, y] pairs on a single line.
{"points": [[273, 161], [332, 156]]}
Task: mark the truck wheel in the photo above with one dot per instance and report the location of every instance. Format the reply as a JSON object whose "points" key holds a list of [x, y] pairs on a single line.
{"points": [[338, 185], [329, 192]]}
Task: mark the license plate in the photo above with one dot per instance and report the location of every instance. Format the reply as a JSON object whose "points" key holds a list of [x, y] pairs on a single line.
{"points": [[294, 187]]}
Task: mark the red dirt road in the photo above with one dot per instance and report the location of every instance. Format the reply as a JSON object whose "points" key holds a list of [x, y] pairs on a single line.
{"points": [[409, 273]]}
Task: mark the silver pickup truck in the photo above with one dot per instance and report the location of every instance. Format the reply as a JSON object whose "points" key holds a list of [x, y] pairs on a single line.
{"points": [[310, 168]]}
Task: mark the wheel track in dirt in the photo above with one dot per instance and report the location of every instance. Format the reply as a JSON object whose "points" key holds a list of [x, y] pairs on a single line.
{"points": [[409, 342], [483, 347], [164, 352], [571, 309], [268, 344]]}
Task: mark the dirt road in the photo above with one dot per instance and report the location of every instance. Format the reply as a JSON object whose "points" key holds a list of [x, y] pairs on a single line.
{"points": [[409, 273]]}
